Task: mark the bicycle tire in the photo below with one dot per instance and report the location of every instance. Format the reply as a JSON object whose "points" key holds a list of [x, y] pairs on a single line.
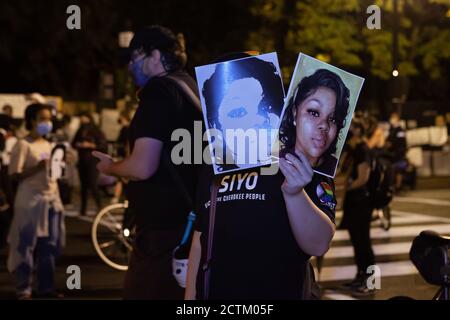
{"points": [[117, 230]]}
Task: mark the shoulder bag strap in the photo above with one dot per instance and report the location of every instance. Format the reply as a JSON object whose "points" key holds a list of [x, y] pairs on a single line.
{"points": [[187, 91], [212, 218]]}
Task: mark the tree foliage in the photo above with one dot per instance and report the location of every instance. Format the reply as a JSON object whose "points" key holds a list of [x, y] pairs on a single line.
{"points": [[336, 32]]}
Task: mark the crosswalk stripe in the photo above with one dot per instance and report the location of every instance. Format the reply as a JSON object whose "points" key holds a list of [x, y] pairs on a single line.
{"points": [[348, 272], [337, 296], [418, 215], [76, 214], [395, 220], [402, 231], [405, 217], [379, 249], [388, 269], [86, 219], [436, 202]]}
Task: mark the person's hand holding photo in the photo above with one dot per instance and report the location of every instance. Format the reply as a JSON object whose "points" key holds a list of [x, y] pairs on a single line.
{"points": [[298, 173]]}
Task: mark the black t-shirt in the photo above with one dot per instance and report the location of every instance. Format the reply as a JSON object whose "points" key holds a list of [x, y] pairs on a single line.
{"points": [[255, 254], [122, 141], [360, 154], [397, 144], [158, 202], [6, 122], [89, 133]]}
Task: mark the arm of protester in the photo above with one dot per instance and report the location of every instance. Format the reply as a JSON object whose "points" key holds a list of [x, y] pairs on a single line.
{"points": [[17, 163], [312, 228], [140, 165], [19, 176], [193, 265]]}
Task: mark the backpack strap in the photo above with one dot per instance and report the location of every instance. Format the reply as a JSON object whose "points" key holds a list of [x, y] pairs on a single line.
{"points": [[188, 92], [193, 98], [212, 218]]}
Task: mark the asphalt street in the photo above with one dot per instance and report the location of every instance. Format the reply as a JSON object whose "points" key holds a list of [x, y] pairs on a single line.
{"points": [[412, 211]]}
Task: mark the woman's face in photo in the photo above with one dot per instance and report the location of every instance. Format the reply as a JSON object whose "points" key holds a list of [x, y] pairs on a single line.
{"points": [[316, 127], [239, 110], [57, 163], [239, 107]]}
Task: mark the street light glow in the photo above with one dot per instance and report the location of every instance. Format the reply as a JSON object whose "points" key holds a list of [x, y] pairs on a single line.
{"points": [[395, 73]]}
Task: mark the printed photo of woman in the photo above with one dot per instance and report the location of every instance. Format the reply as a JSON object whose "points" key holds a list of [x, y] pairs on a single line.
{"points": [[243, 97], [317, 117]]}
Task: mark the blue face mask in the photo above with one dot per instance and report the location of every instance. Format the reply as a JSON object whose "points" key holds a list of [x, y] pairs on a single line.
{"points": [[136, 69], [44, 128]]}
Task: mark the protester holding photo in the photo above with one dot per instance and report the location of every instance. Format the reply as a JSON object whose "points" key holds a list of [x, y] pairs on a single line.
{"points": [[37, 230], [268, 226]]}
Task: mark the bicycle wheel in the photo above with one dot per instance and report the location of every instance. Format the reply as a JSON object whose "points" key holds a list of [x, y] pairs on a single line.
{"points": [[111, 243], [384, 215]]}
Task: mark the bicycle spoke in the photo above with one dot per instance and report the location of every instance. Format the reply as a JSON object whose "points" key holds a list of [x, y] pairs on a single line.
{"points": [[113, 226], [113, 253], [107, 244], [114, 221]]}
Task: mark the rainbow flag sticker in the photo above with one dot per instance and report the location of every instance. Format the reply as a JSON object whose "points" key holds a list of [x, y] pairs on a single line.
{"points": [[324, 192]]}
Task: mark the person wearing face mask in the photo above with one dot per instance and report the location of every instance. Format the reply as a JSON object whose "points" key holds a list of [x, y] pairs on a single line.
{"points": [[37, 230], [161, 211]]}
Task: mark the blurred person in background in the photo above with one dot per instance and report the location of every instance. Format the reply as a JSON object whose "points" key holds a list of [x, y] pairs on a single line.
{"points": [[357, 211], [7, 121], [7, 142], [88, 138], [396, 148], [376, 139]]}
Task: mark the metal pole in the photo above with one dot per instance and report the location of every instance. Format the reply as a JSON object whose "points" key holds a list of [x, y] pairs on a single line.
{"points": [[395, 37]]}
